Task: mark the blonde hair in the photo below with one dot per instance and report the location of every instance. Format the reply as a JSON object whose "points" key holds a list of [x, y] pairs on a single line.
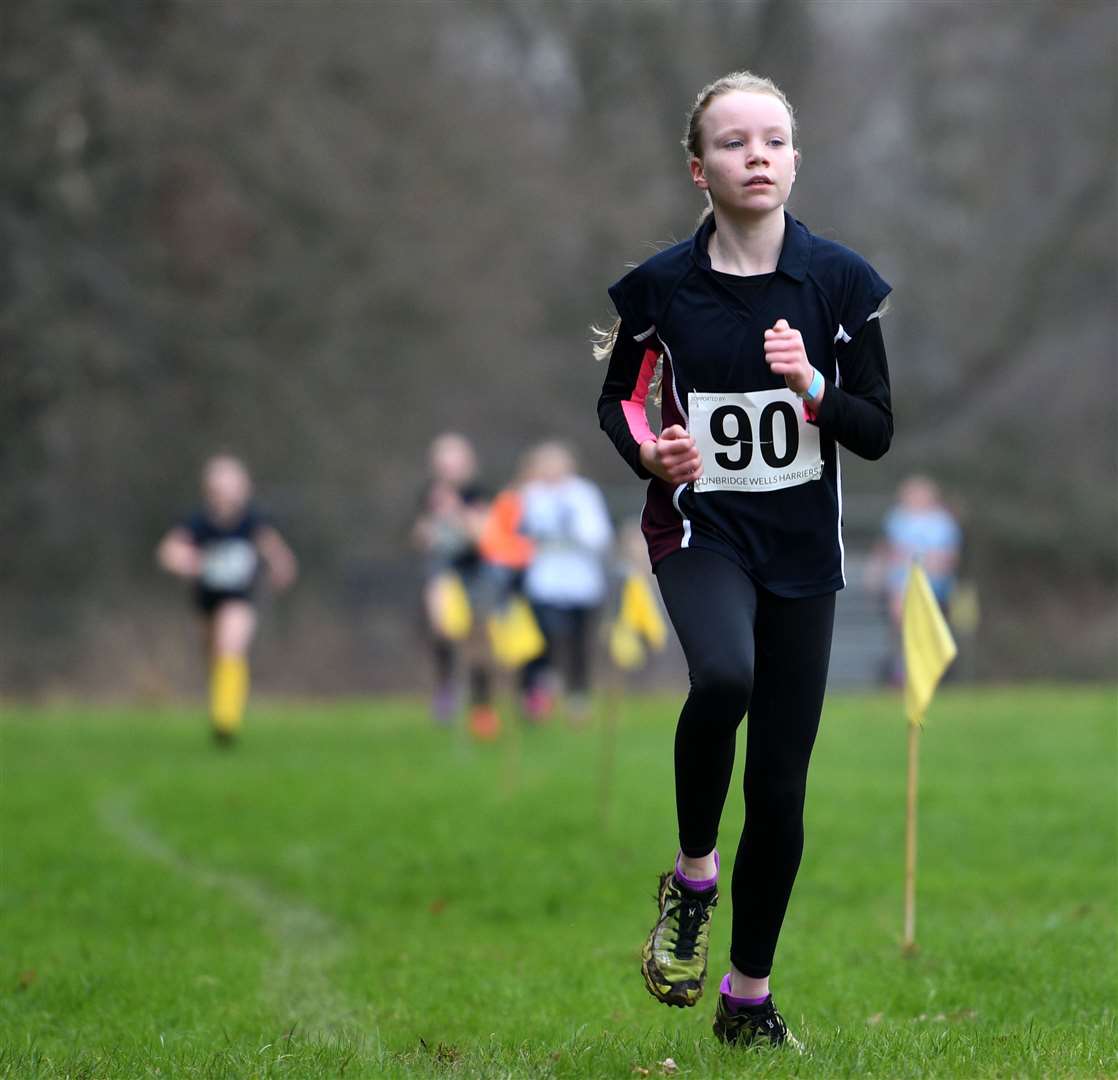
{"points": [[603, 339], [744, 81]]}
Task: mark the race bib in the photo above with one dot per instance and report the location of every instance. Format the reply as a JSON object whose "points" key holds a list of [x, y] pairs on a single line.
{"points": [[753, 442], [228, 565]]}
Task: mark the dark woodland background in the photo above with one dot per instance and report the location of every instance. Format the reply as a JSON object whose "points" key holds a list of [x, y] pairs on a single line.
{"points": [[318, 233]]}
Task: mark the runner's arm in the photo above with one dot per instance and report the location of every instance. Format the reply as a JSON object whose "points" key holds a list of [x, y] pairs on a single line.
{"points": [[858, 414], [283, 568], [178, 554], [621, 407]]}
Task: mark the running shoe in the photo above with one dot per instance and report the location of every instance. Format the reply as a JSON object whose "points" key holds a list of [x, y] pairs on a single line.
{"points": [[753, 1025], [674, 958], [484, 724], [538, 704]]}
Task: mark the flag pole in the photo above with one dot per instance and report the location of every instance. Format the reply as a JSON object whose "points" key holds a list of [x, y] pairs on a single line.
{"points": [[910, 841], [928, 651], [611, 708]]}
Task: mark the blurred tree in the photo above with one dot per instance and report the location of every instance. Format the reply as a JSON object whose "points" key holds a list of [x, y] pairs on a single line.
{"points": [[317, 236]]}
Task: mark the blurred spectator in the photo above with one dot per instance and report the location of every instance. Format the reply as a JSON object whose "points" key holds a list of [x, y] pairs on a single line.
{"points": [[565, 515], [459, 589], [919, 528], [220, 548]]}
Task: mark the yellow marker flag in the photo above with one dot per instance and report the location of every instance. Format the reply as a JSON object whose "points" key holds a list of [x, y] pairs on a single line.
{"points": [[928, 645], [640, 613], [928, 649], [514, 634], [450, 605], [625, 647]]}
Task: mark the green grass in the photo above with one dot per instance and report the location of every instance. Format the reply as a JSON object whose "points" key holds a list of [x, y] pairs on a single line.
{"points": [[352, 893]]}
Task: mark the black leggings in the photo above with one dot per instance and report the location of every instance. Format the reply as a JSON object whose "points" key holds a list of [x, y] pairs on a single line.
{"points": [[747, 651], [567, 632]]}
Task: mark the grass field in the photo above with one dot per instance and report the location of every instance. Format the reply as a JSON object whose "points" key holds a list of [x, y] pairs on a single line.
{"points": [[352, 893]]}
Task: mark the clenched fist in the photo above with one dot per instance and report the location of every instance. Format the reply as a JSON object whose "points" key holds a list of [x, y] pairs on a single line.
{"points": [[785, 354], [673, 457]]}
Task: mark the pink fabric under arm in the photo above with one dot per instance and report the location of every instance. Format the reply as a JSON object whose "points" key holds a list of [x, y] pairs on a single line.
{"points": [[635, 415]]}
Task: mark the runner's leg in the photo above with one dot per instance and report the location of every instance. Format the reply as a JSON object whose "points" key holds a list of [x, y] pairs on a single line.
{"points": [[793, 652], [711, 602]]}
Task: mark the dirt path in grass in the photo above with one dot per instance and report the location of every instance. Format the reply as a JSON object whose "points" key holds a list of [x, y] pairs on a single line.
{"points": [[306, 943]]}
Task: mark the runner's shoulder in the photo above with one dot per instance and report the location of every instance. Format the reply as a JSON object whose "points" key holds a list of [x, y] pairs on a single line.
{"points": [[833, 263], [198, 525], [853, 288], [203, 529], [642, 295]]}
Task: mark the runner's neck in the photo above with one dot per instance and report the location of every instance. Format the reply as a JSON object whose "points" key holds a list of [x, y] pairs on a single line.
{"points": [[746, 246]]}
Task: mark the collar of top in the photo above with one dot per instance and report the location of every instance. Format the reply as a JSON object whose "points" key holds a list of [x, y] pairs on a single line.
{"points": [[794, 252]]}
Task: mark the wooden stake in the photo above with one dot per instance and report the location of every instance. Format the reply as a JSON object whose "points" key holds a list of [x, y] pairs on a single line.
{"points": [[910, 841], [612, 706], [513, 736]]}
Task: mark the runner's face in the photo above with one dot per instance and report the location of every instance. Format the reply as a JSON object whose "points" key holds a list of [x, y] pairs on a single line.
{"points": [[452, 460], [748, 163], [227, 489]]}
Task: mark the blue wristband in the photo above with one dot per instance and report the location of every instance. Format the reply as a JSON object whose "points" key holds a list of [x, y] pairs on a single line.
{"points": [[815, 387]]}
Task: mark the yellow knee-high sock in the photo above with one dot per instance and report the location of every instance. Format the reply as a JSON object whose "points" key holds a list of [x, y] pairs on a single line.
{"points": [[228, 693]]}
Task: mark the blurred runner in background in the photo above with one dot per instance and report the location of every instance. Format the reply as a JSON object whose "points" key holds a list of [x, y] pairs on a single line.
{"points": [[459, 590], [220, 548], [919, 528], [565, 515]]}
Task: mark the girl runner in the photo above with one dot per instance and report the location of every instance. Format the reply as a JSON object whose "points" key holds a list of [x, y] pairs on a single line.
{"points": [[451, 520], [220, 548], [772, 357]]}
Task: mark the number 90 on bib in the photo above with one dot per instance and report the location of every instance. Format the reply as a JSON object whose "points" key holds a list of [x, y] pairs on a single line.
{"points": [[753, 442]]}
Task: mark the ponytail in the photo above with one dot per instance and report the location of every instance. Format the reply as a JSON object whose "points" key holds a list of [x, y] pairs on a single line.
{"points": [[603, 339]]}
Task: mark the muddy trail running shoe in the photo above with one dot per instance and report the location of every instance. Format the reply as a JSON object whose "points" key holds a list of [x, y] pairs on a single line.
{"points": [[754, 1024], [674, 958]]}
